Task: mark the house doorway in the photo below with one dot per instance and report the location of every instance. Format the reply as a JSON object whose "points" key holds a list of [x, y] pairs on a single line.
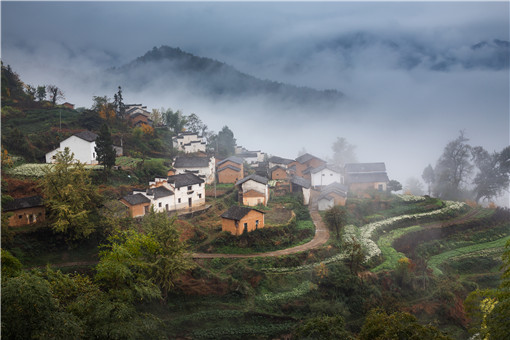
{"points": [[189, 202]]}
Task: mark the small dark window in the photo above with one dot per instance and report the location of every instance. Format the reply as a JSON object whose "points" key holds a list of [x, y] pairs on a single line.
{"points": [[179, 200], [160, 204], [199, 195], [189, 187], [20, 216]]}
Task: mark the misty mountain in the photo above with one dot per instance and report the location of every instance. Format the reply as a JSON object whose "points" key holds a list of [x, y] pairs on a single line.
{"points": [[406, 52], [174, 69]]}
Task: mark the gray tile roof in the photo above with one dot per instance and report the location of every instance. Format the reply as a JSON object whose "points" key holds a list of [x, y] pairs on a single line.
{"points": [[365, 167], [280, 160], [234, 159], [231, 167], [136, 199], [302, 182], [307, 157], [182, 180], [24, 203], [86, 135], [253, 177], [191, 162], [159, 192], [337, 188], [325, 166], [237, 213], [367, 177]]}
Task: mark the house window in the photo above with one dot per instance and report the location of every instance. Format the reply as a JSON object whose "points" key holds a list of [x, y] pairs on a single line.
{"points": [[245, 228], [256, 224], [167, 208], [93, 155], [199, 185], [20, 216], [159, 204], [380, 187], [199, 195], [189, 187], [178, 200]]}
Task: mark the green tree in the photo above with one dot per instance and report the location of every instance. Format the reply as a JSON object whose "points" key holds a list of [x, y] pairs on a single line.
{"points": [[138, 266], [493, 177], [175, 121], [453, 168], [399, 325], [489, 309], [104, 149], [343, 152], [40, 93], [30, 311], [225, 142], [11, 266], [72, 199], [393, 185], [335, 219], [355, 253], [323, 328], [429, 177], [120, 107], [195, 124]]}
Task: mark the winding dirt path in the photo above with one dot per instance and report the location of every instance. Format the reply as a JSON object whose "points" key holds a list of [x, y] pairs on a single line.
{"points": [[321, 237]]}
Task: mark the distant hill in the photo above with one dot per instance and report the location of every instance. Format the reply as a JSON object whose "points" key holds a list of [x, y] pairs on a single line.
{"points": [[173, 68], [405, 52]]}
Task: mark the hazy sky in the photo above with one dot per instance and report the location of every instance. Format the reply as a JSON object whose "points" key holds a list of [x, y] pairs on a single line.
{"points": [[403, 115]]}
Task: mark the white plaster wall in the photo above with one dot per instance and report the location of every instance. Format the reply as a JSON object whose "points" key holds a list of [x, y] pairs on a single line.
{"points": [[325, 177]]}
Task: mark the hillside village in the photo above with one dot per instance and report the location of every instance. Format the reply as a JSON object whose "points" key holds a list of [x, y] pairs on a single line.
{"points": [[135, 223]]}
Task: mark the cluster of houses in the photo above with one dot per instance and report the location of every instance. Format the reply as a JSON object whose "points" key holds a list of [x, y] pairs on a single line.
{"points": [[253, 174]]}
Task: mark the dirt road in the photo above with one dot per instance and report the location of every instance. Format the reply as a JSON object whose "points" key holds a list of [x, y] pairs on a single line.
{"points": [[321, 237]]}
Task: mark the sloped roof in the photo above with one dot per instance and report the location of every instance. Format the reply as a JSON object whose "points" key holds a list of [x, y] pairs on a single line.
{"points": [[280, 160], [86, 135], [367, 177], [159, 192], [302, 182], [231, 167], [23, 203], [253, 177], [325, 166], [234, 159], [136, 199], [191, 162], [335, 187], [236, 213], [276, 167], [307, 157], [247, 154], [182, 180], [365, 167]]}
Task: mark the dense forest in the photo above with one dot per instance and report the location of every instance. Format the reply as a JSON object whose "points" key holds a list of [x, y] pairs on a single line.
{"points": [[396, 266]]}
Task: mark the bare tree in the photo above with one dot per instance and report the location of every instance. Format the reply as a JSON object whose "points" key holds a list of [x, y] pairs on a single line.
{"points": [[55, 93]]}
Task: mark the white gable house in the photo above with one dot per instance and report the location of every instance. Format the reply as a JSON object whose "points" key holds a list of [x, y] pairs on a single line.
{"points": [[189, 142], [82, 144], [325, 175], [203, 167], [253, 190]]}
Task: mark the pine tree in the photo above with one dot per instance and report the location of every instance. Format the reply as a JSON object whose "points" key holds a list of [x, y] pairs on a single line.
{"points": [[104, 148]]}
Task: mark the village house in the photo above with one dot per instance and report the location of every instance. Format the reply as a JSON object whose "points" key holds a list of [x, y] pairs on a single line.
{"points": [[68, 105], [332, 195], [82, 144], [366, 176], [138, 119], [279, 161], [137, 203], [253, 190], [238, 220], [189, 142], [301, 185], [325, 175], [230, 170], [188, 188], [203, 167], [251, 157], [305, 163], [133, 109], [25, 211], [278, 173]]}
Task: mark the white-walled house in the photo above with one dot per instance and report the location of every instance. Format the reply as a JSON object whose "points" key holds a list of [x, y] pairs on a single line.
{"points": [[82, 144], [189, 142], [203, 167], [189, 190], [254, 190], [325, 175]]}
